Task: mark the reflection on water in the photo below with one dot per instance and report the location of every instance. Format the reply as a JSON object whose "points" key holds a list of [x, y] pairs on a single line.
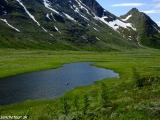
{"points": [[49, 84]]}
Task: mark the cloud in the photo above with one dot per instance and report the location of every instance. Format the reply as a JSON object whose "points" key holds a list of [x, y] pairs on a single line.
{"points": [[157, 5], [151, 11], [128, 5]]}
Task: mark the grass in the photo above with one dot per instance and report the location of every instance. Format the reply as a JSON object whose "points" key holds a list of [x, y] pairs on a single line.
{"points": [[125, 100]]}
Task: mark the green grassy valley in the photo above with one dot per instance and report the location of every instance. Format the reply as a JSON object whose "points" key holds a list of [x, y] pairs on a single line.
{"points": [[37, 35], [132, 96]]}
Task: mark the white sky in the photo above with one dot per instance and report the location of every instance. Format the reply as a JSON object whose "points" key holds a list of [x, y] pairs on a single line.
{"points": [[121, 7]]}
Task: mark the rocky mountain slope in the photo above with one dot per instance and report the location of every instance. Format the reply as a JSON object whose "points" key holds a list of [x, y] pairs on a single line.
{"points": [[148, 32], [73, 25]]}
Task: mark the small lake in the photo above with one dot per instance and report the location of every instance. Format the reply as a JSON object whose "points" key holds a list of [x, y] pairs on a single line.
{"points": [[50, 84]]}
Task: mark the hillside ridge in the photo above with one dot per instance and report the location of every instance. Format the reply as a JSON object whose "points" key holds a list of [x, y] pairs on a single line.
{"points": [[73, 25]]}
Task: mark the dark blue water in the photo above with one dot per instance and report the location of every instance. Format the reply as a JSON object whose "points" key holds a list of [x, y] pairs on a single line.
{"points": [[50, 84]]}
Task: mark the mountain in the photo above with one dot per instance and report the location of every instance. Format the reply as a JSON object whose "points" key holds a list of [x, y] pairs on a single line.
{"points": [[148, 32], [68, 25]]}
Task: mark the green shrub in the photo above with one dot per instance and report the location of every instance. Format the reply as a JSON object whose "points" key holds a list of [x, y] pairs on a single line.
{"points": [[136, 78], [65, 106], [76, 103], [85, 103], [103, 95]]}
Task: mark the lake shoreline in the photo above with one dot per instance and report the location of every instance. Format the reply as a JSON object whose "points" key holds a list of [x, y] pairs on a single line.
{"points": [[49, 84]]}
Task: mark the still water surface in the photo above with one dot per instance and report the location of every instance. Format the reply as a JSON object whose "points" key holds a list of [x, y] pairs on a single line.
{"points": [[50, 84]]}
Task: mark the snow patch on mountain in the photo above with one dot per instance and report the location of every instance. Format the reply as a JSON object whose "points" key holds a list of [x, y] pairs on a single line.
{"points": [[129, 37], [57, 29], [44, 29], [127, 18], [130, 25], [156, 29], [71, 7], [98, 39], [53, 17], [95, 29], [31, 16], [69, 17], [47, 4], [81, 5], [51, 34], [78, 11], [96, 17], [48, 16], [4, 20], [105, 17], [115, 24], [84, 37]]}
